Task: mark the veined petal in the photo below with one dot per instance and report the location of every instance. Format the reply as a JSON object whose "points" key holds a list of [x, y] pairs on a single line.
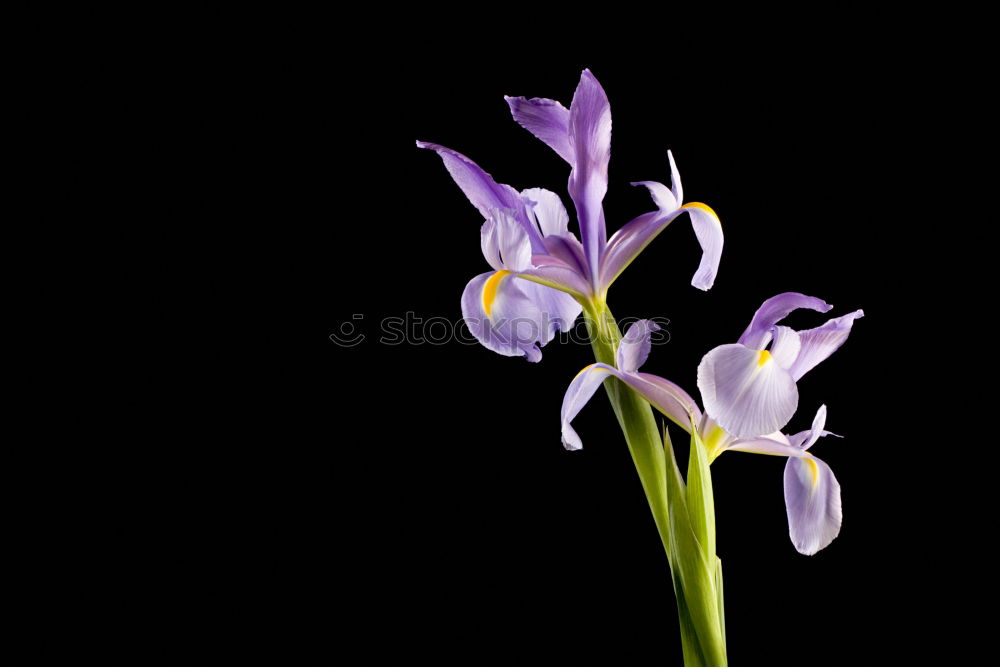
{"points": [[675, 180], [629, 241], [567, 250], [662, 196], [708, 229], [590, 138], [820, 343], [773, 311], [665, 396], [745, 391], [548, 210], [806, 439], [785, 347], [634, 346], [505, 318], [484, 192], [774, 444], [511, 241], [546, 119], [558, 276], [580, 390], [558, 310], [812, 502]]}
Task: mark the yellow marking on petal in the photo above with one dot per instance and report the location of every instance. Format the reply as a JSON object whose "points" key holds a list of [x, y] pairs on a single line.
{"points": [[813, 468], [585, 369], [704, 207], [765, 357], [490, 290]]}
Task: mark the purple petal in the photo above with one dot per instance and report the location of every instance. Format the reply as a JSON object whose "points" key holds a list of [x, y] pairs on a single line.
{"points": [[580, 390], [634, 346], [675, 180], [548, 210], [665, 396], [745, 391], [559, 276], [662, 196], [806, 439], [558, 309], [812, 501], [774, 444], [773, 311], [567, 250], [546, 119], [485, 193], [820, 343], [590, 137], [504, 317], [629, 241]]}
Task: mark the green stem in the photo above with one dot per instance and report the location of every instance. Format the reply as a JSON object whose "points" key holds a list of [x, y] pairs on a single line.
{"points": [[684, 516]]}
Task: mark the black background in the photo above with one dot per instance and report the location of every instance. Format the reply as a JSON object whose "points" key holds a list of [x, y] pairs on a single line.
{"points": [[415, 500]]}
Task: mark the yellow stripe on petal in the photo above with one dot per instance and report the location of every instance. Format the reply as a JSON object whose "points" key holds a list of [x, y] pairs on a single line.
{"points": [[490, 290], [813, 468], [765, 357], [704, 207]]}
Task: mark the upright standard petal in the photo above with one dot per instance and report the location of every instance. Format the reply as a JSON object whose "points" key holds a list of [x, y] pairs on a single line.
{"points": [[745, 391], [484, 192], [546, 119], [590, 138], [634, 346], [773, 311], [806, 439], [812, 502], [820, 343]]}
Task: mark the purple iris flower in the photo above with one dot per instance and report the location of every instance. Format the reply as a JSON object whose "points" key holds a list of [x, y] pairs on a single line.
{"points": [[542, 274], [812, 493]]}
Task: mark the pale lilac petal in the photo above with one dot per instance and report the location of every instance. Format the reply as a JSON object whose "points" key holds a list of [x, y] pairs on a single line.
{"points": [[590, 137], [773, 311], [559, 276], [812, 501], [548, 210], [634, 346], [489, 241], [546, 119], [558, 310], [515, 249], [708, 229], [806, 439], [785, 347], [629, 241], [662, 196], [665, 396], [580, 390], [485, 193], [507, 318], [820, 343], [745, 391], [675, 181], [771, 445]]}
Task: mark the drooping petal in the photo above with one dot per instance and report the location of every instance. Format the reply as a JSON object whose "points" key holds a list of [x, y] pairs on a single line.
{"points": [[484, 192], [773, 311], [812, 502], [506, 318], [785, 347], [806, 439], [558, 310], [546, 207], [590, 137], [772, 444], [626, 244], [820, 343], [745, 391], [708, 229], [546, 119], [634, 346], [580, 390]]}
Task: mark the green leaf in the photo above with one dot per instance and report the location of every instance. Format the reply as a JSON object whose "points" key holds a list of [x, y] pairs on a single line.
{"points": [[701, 505]]}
